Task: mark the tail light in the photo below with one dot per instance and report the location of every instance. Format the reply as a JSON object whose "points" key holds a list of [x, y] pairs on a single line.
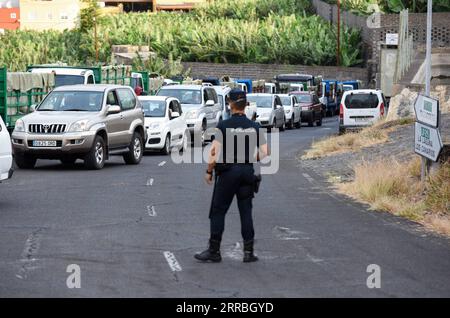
{"points": [[382, 109], [341, 111]]}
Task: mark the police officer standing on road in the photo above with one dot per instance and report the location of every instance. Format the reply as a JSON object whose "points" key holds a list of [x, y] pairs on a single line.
{"points": [[232, 162]]}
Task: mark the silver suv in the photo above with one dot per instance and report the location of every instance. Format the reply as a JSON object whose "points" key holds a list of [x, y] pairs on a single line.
{"points": [[87, 122], [200, 105]]}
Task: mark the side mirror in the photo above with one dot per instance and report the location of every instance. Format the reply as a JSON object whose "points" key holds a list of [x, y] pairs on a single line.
{"points": [[33, 108], [175, 115], [209, 103], [113, 109]]}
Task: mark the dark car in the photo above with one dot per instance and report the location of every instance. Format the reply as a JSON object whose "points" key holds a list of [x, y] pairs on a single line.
{"points": [[310, 106]]}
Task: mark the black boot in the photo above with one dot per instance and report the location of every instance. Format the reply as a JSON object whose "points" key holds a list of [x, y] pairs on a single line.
{"points": [[248, 252], [212, 254]]}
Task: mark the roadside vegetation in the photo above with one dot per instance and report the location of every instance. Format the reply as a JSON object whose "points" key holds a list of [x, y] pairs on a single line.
{"points": [[259, 31], [395, 187], [355, 141], [367, 7]]}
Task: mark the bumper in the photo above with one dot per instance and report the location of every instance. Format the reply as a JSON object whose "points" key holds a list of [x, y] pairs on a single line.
{"points": [[306, 115], [6, 170], [155, 140], [194, 125], [264, 122], [66, 144], [352, 127]]}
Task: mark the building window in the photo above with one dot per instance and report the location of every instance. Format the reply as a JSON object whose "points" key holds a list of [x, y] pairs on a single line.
{"points": [[31, 16], [13, 15], [64, 16], [50, 16]]}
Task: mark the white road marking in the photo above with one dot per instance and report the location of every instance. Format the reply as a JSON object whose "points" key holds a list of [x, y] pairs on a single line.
{"points": [[172, 261], [286, 234], [27, 260], [235, 252], [150, 182], [162, 163], [151, 210], [308, 177]]}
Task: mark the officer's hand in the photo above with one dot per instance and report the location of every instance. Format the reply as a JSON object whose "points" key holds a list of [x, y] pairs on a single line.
{"points": [[209, 178]]}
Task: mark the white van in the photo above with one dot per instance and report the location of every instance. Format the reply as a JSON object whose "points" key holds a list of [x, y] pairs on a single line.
{"points": [[5, 153], [361, 107]]}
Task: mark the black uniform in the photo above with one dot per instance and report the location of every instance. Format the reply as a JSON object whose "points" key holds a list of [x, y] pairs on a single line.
{"points": [[235, 173]]}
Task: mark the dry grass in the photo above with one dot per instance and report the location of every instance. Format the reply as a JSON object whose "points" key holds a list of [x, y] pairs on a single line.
{"points": [[355, 141], [394, 187]]}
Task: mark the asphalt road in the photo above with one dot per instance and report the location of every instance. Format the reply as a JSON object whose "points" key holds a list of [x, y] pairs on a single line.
{"points": [[133, 231]]}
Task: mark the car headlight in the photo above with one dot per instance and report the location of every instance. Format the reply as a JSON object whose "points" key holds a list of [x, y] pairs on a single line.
{"points": [[192, 114], [154, 126], [20, 126], [78, 126], [287, 111]]}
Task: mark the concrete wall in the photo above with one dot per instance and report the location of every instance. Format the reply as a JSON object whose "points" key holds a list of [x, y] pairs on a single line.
{"points": [[268, 71]]}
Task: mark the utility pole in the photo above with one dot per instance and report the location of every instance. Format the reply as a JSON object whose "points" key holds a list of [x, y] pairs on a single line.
{"points": [[425, 161], [338, 51], [95, 40]]}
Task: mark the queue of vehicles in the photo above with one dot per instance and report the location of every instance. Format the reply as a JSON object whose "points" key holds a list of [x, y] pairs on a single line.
{"points": [[67, 117]]}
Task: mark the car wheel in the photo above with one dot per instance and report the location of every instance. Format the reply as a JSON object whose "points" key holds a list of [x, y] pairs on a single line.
{"points": [[95, 159], [341, 130], [135, 150], [291, 123], [184, 143], [319, 122], [311, 120], [24, 162], [298, 124], [283, 126], [166, 149]]}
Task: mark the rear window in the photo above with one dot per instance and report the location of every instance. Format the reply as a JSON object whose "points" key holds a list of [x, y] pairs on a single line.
{"points": [[357, 101]]}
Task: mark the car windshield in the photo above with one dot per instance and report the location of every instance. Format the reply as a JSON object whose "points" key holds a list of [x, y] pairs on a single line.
{"points": [[261, 101], [361, 101], [286, 100], [348, 88], [154, 108], [221, 100], [61, 80], [72, 101], [304, 98], [185, 96]]}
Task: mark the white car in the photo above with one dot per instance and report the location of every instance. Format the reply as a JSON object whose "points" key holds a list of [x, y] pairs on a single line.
{"points": [[222, 93], [361, 107], [165, 123], [292, 110], [5, 153], [200, 105], [270, 110]]}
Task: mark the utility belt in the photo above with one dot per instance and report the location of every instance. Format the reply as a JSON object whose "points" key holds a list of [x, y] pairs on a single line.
{"points": [[223, 167]]}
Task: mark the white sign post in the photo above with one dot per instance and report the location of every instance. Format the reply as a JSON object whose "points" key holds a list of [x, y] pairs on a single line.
{"points": [[427, 111], [427, 141], [391, 38]]}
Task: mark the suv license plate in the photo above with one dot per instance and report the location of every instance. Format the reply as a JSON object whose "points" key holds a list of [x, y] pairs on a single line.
{"points": [[44, 143], [361, 119]]}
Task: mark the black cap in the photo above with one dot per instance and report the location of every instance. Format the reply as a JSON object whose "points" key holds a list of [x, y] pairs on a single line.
{"points": [[237, 94]]}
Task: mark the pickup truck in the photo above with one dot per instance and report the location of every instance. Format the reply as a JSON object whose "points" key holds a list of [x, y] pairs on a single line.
{"points": [[110, 74], [88, 122], [20, 91]]}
